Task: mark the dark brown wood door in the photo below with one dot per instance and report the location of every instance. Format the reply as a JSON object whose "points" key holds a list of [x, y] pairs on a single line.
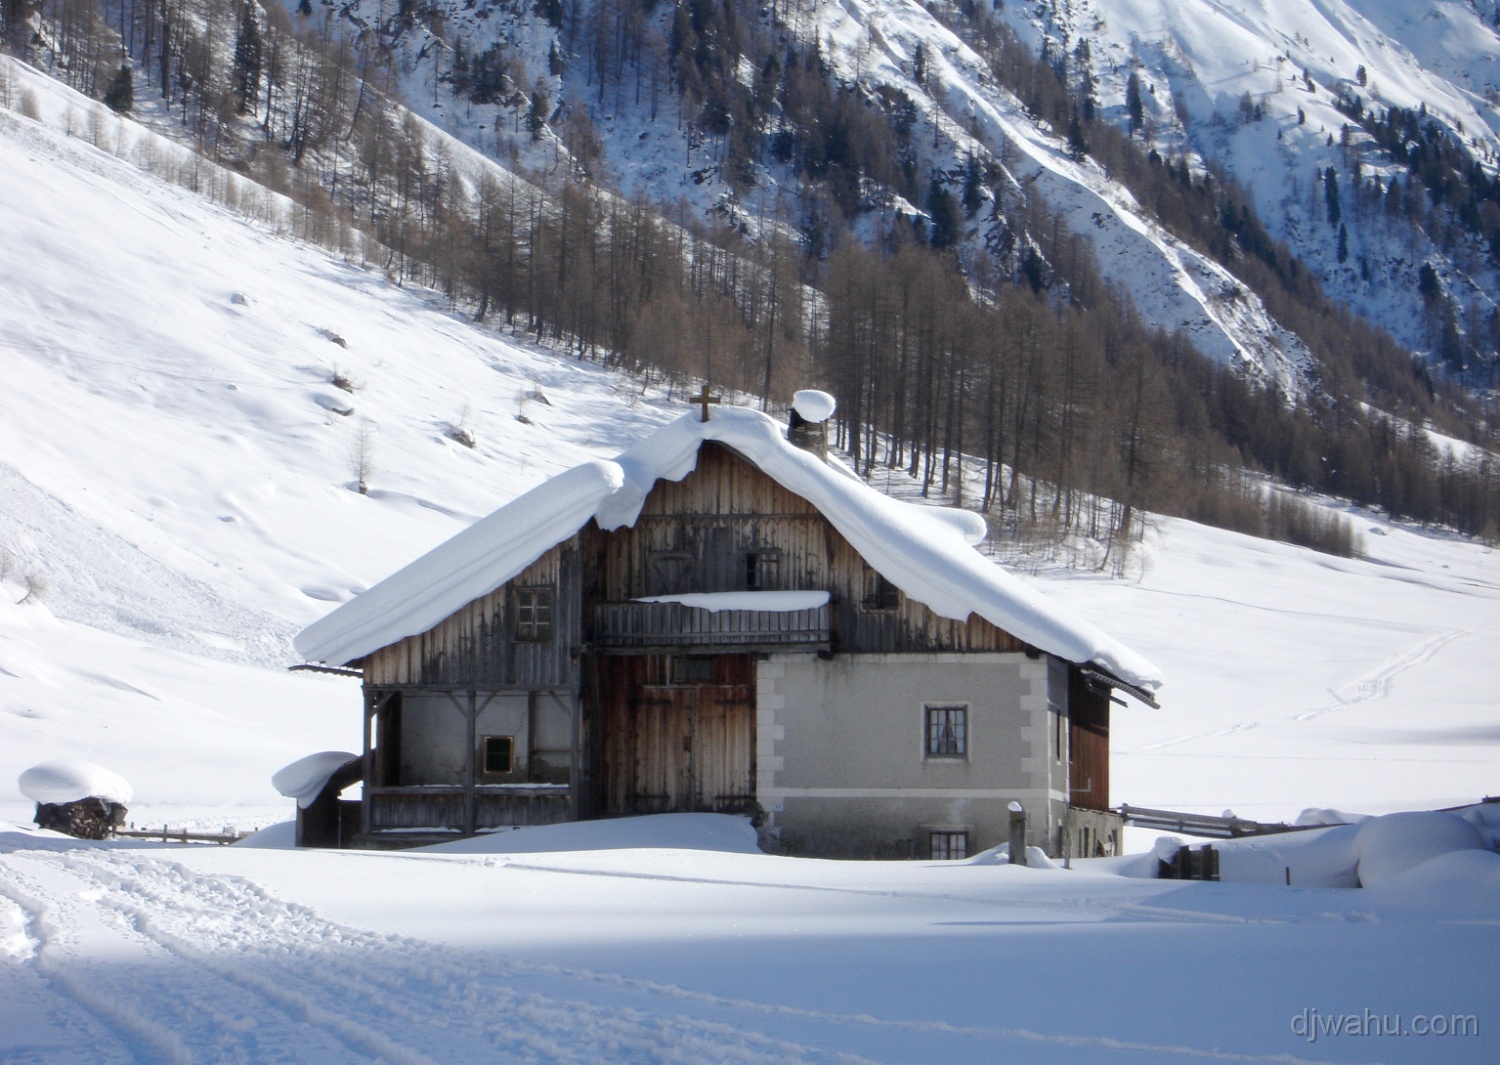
{"points": [[679, 735]]}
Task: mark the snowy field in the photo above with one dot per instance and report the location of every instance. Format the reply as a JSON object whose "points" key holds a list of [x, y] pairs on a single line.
{"points": [[176, 487]]}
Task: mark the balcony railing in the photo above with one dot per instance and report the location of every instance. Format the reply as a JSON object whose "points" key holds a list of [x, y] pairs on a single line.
{"points": [[444, 807], [675, 627]]}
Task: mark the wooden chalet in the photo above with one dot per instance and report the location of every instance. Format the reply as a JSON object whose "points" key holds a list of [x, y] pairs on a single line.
{"points": [[723, 620]]}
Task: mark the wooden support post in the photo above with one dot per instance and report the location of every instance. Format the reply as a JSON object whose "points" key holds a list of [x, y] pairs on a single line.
{"points": [[471, 769], [372, 707]]}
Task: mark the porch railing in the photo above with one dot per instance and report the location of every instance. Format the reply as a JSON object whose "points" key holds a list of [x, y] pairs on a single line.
{"points": [[444, 807], [667, 626]]}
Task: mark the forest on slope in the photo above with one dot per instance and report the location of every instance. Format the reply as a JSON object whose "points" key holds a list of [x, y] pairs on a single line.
{"points": [[1011, 350]]}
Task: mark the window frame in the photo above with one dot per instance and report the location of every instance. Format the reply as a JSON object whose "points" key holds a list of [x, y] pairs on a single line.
{"points": [[958, 740], [760, 569], [691, 670], [540, 625], [944, 851]]}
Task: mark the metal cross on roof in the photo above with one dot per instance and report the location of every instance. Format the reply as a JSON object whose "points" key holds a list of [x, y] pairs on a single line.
{"points": [[704, 399]]}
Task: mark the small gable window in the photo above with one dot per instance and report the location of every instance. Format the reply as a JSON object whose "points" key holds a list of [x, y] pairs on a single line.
{"points": [[879, 593], [534, 614], [760, 570], [947, 731]]}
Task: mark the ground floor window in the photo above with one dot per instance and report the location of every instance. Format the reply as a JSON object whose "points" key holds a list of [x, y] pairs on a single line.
{"points": [[946, 846]]}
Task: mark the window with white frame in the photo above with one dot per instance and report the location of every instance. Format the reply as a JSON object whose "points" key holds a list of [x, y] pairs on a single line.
{"points": [[946, 730]]}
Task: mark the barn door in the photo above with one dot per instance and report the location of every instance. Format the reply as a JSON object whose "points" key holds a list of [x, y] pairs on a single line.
{"points": [[681, 736]]}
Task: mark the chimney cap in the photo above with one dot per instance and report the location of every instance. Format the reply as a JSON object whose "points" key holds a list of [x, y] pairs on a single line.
{"points": [[814, 406]]}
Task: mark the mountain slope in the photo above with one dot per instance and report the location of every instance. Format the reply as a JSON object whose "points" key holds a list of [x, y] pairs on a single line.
{"points": [[184, 527]]}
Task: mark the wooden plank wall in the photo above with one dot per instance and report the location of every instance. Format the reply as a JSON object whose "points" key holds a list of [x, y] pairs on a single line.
{"points": [[727, 508], [473, 647], [1088, 744]]}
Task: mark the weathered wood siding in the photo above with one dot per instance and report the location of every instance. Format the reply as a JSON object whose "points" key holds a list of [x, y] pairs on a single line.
{"points": [[475, 647], [668, 745], [695, 535], [446, 807], [1088, 744]]}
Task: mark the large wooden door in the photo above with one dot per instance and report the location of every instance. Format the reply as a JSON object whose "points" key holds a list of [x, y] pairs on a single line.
{"points": [[679, 733]]}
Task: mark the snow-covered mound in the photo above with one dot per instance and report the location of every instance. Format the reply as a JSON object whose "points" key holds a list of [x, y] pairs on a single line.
{"points": [[67, 780], [1390, 845]]}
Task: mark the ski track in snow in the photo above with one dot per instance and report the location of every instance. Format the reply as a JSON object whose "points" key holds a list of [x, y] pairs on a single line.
{"points": [[146, 960], [1377, 683], [210, 968], [1373, 685]]}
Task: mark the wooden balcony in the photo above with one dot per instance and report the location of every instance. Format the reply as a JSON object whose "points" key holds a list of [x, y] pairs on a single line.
{"points": [[673, 627]]}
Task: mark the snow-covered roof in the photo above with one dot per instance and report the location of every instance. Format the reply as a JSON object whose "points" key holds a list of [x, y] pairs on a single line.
{"points": [[306, 778], [925, 551]]}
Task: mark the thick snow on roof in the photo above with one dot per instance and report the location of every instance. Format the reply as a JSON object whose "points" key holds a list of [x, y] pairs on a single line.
{"points": [[305, 778], [925, 551], [68, 780]]}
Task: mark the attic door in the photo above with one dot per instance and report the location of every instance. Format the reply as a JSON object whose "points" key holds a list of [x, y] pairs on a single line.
{"points": [[680, 734]]}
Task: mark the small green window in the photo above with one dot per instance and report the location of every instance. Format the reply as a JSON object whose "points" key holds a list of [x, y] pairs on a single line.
{"points": [[498, 754]]}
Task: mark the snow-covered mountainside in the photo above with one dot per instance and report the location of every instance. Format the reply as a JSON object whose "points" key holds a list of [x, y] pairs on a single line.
{"points": [[1251, 88], [649, 144], [1196, 61]]}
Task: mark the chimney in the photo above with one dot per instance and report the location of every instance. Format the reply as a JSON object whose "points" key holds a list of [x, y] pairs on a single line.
{"points": [[811, 410]]}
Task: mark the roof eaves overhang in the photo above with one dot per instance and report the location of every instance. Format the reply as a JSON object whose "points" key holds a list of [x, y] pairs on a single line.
{"points": [[1099, 675]]}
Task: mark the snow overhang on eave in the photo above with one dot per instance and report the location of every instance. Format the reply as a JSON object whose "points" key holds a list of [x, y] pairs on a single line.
{"points": [[1098, 675]]}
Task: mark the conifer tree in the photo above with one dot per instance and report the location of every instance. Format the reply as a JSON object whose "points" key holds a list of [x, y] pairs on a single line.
{"points": [[1133, 103], [247, 60]]}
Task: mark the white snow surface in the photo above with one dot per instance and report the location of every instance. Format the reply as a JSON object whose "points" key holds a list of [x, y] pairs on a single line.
{"points": [[928, 558], [307, 776], [713, 602], [68, 780]]}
